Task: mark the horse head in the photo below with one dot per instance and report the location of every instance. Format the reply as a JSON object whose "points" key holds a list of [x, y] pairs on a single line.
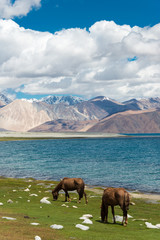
{"points": [[55, 195]]}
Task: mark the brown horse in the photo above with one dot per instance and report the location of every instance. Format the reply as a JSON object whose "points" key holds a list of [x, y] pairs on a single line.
{"points": [[70, 184], [112, 197]]}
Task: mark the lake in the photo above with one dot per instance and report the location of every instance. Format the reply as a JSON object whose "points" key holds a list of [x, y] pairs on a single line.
{"points": [[130, 162]]}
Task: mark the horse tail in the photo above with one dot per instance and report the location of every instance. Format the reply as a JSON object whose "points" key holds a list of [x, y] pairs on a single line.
{"points": [[126, 201]]}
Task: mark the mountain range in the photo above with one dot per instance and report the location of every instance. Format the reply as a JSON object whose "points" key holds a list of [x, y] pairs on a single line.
{"points": [[74, 114]]}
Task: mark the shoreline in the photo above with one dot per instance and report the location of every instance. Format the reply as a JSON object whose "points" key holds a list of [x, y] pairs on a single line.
{"points": [[55, 135], [99, 189], [133, 193]]}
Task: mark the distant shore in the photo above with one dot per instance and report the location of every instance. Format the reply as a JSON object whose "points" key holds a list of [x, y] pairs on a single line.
{"points": [[138, 195], [59, 135]]}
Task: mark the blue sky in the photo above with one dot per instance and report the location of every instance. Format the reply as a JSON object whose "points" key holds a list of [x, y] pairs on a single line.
{"points": [[54, 15], [80, 47]]}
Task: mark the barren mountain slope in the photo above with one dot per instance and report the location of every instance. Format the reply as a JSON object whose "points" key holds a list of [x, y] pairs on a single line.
{"points": [[21, 116], [61, 125], [130, 122]]}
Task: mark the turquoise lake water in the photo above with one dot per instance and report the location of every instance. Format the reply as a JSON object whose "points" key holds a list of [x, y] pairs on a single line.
{"points": [[131, 162]]}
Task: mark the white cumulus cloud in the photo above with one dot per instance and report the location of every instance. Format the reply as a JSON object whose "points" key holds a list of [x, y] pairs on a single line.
{"points": [[11, 9], [112, 60]]}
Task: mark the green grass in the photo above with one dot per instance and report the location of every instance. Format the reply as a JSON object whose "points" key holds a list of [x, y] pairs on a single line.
{"points": [[27, 209]]}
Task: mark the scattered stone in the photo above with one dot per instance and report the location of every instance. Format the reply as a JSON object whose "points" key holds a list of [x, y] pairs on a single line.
{"points": [[129, 216], [26, 216], [44, 200], [141, 219], [9, 218], [37, 238], [14, 190], [120, 218], [30, 180], [87, 221], [74, 206], [82, 227], [87, 216], [150, 225], [55, 226], [26, 190], [33, 195], [9, 201], [64, 205], [35, 224], [1, 204]]}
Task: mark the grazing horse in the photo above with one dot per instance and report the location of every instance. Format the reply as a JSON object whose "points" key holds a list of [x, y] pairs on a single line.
{"points": [[70, 184], [112, 197]]}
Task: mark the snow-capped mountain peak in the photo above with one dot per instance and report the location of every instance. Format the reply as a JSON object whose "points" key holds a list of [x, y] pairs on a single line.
{"points": [[67, 100]]}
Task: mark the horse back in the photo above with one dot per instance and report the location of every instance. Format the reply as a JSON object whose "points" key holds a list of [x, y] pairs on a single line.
{"points": [[72, 183], [114, 196]]}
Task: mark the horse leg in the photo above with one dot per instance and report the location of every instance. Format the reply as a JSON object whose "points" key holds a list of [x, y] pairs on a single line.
{"points": [[125, 218], [80, 193], [102, 212], [67, 195], [80, 196], [85, 197], [106, 213], [114, 220]]}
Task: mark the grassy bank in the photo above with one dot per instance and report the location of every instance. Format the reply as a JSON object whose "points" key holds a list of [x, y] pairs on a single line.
{"points": [[26, 208]]}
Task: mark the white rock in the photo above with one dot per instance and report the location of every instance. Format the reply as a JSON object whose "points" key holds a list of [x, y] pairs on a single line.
{"points": [[55, 226], [83, 218], [87, 216], [1, 204], [26, 190], [9, 201], [129, 216], [37, 238], [150, 225], [14, 190], [33, 195], [44, 200], [34, 224], [118, 218], [87, 221], [82, 227], [158, 225], [9, 218], [64, 205], [75, 207]]}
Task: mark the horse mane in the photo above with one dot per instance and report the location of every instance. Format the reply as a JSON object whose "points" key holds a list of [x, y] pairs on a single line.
{"points": [[58, 187]]}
